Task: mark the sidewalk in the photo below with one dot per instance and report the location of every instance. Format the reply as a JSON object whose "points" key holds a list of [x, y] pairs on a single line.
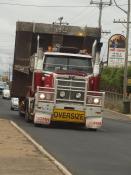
{"points": [[18, 156], [116, 115]]}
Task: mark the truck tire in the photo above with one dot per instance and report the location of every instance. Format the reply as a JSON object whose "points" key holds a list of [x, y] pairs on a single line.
{"points": [[27, 115], [21, 114], [37, 125], [92, 129]]}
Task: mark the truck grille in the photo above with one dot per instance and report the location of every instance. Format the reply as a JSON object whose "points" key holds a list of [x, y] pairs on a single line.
{"points": [[72, 89]]}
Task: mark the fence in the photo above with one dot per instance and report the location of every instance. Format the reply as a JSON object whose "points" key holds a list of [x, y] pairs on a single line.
{"points": [[114, 100]]}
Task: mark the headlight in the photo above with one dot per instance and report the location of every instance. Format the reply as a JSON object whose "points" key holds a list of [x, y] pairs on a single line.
{"points": [[62, 94], [96, 100], [42, 96], [78, 95]]}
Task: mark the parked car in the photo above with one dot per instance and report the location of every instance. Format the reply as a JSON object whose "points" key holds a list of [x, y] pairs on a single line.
{"points": [[2, 86], [6, 92], [14, 103]]}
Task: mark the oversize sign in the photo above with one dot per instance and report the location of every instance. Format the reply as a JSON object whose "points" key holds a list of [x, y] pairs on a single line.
{"points": [[116, 50], [68, 115]]}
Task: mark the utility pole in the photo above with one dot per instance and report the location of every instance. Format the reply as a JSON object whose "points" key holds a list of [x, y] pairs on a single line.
{"points": [[100, 5], [126, 51], [9, 74], [126, 54]]}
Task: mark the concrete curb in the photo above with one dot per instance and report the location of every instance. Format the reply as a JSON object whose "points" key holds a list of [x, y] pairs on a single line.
{"points": [[42, 150]]}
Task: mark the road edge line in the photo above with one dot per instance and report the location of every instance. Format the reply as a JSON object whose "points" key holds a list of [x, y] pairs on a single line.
{"points": [[61, 167]]}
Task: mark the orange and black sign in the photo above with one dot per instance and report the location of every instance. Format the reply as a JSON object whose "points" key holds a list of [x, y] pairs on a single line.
{"points": [[68, 115]]}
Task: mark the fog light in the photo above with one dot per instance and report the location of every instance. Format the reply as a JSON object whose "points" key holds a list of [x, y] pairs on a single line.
{"points": [[78, 95]]}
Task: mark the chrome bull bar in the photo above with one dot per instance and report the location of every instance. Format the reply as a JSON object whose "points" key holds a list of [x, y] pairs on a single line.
{"points": [[88, 98]]}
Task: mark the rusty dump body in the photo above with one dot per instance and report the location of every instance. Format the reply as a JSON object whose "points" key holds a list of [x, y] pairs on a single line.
{"points": [[50, 35]]}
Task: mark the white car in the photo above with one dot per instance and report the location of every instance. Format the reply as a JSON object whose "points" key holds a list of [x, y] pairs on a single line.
{"points": [[14, 103], [2, 86], [6, 92]]}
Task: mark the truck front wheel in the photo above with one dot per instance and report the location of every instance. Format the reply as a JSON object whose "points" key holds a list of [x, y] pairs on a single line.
{"points": [[27, 114], [27, 117]]}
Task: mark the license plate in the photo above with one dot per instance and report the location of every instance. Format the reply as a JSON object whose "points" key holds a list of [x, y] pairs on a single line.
{"points": [[66, 115]]}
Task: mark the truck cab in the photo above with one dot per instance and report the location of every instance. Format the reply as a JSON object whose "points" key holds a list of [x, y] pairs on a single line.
{"points": [[67, 91]]}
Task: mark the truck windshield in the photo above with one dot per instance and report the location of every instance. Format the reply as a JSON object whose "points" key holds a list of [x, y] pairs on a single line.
{"points": [[55, 62]]}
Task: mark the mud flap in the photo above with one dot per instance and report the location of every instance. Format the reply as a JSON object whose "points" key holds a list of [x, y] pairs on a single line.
{"points": [[93, 122], [41, 118]]}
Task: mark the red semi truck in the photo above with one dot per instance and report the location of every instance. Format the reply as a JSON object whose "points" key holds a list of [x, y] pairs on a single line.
{"points": [[56, 75]]}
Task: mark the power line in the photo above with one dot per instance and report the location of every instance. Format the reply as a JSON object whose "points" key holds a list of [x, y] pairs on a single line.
{"points": [[84, 13], [119, 7], [52, 6], [49, 6], [75, 18]]}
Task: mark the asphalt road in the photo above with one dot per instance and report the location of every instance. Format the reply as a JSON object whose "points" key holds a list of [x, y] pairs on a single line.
{"points": [[104, 152]]}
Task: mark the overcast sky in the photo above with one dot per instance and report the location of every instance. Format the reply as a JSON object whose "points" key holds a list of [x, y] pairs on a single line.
{"points": [[75, 12]]}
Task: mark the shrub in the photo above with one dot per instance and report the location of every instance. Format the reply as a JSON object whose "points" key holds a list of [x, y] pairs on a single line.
{"points": [[112, 79]]}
